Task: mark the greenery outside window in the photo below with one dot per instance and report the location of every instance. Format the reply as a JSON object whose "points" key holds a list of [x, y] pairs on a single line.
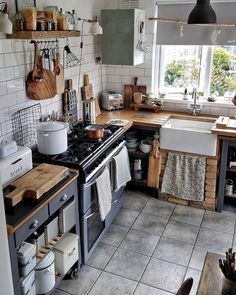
{"points": [[210, 69]]}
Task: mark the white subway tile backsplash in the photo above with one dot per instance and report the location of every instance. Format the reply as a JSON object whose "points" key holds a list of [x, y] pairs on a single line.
{"points": [[14, 59], [6, 127], [20, 45], [3, 88], [7, 100], [15, 85], [4, 115], [6, 74], [122, 71], [135, 71], [5, 46], [2, 63]]}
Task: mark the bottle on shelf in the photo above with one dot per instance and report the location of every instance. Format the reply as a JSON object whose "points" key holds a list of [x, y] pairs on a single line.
{"points": [[62, 21], [75, 21]]}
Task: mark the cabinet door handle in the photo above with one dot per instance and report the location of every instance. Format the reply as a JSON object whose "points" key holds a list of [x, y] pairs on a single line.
{"points": [[72, 252], [34, 224], [64, 197]]}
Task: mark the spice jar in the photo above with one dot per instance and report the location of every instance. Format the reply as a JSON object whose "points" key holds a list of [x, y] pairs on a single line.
{"points": [[30, 18], [51, 14], [62, 21]]}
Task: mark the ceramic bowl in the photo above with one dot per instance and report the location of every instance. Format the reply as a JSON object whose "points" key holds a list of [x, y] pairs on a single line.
{"points": [[145, 146]]}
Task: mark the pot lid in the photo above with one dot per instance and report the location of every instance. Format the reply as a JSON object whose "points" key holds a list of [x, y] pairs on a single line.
{"points": [[51, 126], [46, 261]]}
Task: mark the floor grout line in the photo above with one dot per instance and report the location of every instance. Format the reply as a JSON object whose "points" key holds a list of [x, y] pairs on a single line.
{"points": [[130, 228]]}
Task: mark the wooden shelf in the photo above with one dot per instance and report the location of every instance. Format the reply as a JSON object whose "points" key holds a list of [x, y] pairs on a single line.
{"points": [[43, 34], [233, 169], [231, 196], [183, 22], [138, 154]]}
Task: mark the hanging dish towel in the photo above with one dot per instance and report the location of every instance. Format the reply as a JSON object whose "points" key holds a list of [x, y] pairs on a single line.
{"points": [[103, 185], [121, 168], [184, 177]]}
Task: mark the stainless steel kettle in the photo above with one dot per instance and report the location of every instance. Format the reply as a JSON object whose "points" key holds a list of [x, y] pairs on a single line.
{"points": [[89, 111]]}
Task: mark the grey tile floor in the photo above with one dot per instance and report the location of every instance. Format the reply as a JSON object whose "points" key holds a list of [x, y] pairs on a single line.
{"points": [[151, 247]]}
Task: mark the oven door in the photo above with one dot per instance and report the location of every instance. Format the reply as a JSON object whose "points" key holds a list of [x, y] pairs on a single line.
{"points": [[92, 226]]}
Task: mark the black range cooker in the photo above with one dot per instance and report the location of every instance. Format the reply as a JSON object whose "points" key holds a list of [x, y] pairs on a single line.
{"points": [[90, 156]]}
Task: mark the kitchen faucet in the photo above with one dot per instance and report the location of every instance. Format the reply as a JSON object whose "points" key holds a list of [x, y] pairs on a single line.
{"points": [[195, 107]]}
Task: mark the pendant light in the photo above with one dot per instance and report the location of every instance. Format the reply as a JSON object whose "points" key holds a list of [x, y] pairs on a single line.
{"points": [[202, 13], [5, 23], [96, 29]]}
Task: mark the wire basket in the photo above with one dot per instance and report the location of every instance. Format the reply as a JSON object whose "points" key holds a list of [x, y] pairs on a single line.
{"points": [[24, 124]]}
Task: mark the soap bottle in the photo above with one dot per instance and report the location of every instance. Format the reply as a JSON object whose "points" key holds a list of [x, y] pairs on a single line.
{"points": [[185, 97]]}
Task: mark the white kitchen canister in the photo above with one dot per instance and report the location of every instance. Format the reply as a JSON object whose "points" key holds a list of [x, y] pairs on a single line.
{"points": [[45, 274], [52, 137]]}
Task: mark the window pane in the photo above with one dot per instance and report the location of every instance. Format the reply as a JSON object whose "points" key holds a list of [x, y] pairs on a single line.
{"points": [[180, 68], [223, 76]]}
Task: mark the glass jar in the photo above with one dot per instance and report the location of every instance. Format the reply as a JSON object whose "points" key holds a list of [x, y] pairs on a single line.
{"points": [[51, 13], [62, 21], [18, 22], [30, 18]]}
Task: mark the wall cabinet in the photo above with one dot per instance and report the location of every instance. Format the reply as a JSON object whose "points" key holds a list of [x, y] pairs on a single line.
{"points": [[123, 36]]}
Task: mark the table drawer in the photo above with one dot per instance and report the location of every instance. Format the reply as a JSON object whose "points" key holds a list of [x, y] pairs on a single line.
{"points": [[31, 226], [63, 197]]}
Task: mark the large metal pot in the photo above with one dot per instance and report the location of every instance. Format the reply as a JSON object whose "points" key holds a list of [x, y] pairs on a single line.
{"points": [[52, 137]]}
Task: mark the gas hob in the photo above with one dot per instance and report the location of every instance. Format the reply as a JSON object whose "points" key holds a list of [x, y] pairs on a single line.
{"points": [[83, 153]]}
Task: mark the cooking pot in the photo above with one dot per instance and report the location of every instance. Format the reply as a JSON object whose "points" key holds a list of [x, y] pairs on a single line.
{"points": [[52, 137], [96, 130]]}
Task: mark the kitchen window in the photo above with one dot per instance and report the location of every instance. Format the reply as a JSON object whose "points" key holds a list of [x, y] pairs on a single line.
{"points": [[211, 69]]}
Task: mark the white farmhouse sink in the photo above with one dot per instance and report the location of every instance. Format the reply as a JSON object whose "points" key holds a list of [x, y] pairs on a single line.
{"points": [[191, 136]]}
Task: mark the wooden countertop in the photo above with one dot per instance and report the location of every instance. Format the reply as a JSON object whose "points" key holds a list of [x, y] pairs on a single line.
{"points": [[158, 119]]}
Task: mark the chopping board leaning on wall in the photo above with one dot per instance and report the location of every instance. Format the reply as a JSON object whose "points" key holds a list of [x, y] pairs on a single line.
{"points": [[154, 165], [87, 93], [129, 90]]}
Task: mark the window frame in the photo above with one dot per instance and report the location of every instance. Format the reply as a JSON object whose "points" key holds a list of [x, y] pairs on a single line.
{"points": [[160, 69]]}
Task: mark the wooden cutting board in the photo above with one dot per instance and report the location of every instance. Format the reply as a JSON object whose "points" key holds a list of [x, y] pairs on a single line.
{"points": [[35, 183], [154, 166], [40, 83], [87, 93], [129, 91], [59, 73]]}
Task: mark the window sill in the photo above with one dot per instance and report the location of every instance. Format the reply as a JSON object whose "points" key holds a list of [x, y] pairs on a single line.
{"points": [[202, 102]]}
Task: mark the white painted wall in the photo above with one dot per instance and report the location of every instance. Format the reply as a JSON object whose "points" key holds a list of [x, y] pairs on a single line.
{"points": [[5, 267]]}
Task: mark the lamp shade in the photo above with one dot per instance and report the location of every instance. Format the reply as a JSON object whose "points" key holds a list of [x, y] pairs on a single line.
{"points": [[5, 23], [96, 29], [202, 13]]}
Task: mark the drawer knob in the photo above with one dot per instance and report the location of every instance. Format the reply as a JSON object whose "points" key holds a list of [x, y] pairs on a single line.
{"points": [[64, 197], [34, 224]]}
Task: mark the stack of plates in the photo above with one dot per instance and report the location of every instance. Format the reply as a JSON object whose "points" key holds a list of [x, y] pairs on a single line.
{"points": [[132, 140]]}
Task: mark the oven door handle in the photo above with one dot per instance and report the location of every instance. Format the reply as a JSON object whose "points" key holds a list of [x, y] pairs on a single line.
{"points": [[105, 161], [90, 215]]}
